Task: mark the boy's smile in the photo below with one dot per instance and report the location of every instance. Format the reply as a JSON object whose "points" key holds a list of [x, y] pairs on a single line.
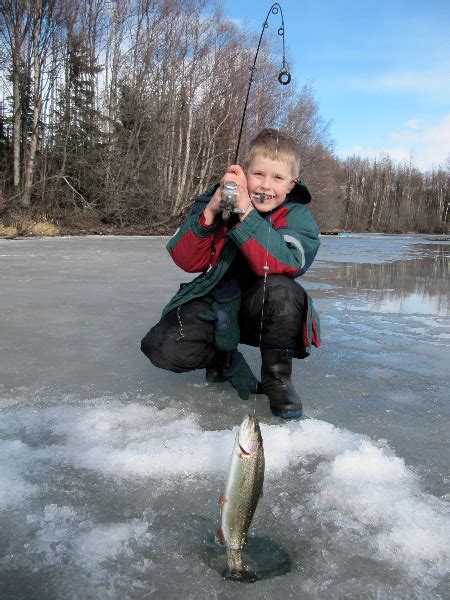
{"points": [[270, 177]]}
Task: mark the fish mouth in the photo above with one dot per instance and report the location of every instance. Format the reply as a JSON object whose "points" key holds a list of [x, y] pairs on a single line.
{"points": [[248, 445], [246, 453]]}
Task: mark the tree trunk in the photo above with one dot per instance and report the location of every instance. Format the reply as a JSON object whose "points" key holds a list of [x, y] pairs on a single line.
{"points": [[16, 118], [37, 106]]}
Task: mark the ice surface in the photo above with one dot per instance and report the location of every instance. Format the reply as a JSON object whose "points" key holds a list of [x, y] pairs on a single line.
{"points": [[62, 533], [378, 491], [351, 482], [110, 469], [14, 457]]}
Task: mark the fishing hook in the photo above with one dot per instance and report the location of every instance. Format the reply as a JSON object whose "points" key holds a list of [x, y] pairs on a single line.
{"points": [[284, 77]]}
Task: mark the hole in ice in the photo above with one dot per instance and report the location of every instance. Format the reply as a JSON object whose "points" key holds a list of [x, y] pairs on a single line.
{"points": [[263, 555]]}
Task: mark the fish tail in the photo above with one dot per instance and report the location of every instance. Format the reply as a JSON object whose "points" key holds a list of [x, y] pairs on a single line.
{"points": [[237, 570]]}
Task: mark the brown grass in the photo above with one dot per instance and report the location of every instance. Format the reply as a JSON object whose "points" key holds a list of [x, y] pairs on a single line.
{"points": [[44, 228], [7, 231]]}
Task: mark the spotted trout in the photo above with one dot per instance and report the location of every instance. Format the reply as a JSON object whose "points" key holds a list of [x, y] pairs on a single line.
{"points": [[243, 490]]}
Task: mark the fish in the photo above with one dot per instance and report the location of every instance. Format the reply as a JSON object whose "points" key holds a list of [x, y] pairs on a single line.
{"points": [[243, 489]]}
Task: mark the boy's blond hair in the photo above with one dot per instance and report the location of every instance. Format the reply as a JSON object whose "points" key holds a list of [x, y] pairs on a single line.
{"points": [[275, 145]]}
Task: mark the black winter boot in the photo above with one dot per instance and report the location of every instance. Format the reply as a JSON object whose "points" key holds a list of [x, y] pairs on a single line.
{"points": [[276, 372]]}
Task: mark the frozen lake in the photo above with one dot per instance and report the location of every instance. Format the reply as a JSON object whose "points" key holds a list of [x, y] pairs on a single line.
{"points": [[110, 469]]}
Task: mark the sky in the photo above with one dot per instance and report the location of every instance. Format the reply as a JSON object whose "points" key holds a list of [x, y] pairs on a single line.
{"points": [[380, 70]]}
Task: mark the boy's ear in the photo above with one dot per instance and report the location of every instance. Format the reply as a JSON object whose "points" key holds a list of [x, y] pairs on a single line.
{"points": [[291, 186]]}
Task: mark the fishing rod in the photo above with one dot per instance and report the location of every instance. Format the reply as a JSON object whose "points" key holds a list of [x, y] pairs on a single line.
{"points": [[284, 77]]}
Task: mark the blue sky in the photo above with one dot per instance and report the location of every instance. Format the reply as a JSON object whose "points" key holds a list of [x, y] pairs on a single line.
{"points": [[380, 70]]}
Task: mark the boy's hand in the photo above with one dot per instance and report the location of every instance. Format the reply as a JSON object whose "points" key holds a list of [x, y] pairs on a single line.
{"points": [[213, 207], [234, 173]]}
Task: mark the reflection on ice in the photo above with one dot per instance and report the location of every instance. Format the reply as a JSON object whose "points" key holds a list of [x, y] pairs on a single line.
{"points": [[414, 286], [414, 303]]}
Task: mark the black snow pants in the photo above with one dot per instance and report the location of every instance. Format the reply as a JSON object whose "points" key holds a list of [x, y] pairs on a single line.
{"points": [[182, 342]]}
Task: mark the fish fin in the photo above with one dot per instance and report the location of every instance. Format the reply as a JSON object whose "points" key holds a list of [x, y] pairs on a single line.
{"points": [[220, 537], [222, 500]]}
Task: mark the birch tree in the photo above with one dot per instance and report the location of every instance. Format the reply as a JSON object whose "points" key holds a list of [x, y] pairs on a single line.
{"points": [[16, 18], [41, 24]]}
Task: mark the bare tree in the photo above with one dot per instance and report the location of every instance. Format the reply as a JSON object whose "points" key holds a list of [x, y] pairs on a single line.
{"points": [[16, 18], [41, 19]]}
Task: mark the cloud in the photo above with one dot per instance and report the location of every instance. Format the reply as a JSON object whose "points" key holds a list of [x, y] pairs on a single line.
{"points": [[436, 142], [414, 123], [427, 146], [432, 83], [397, 153], [407, 137]]}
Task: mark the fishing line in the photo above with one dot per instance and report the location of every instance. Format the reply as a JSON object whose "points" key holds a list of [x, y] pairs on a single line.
{"points": [[266, 272]]}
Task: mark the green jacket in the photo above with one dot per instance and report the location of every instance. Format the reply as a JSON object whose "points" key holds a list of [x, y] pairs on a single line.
{"points": [[283, 242]]}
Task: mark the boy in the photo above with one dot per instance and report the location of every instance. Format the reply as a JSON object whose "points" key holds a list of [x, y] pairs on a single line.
{"points": [[246, 292]]}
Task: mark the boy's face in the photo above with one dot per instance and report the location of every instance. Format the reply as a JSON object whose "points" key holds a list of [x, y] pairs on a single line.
{"points": [[271, 177]]}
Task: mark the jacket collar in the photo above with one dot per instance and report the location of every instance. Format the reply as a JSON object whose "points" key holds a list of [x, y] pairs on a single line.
{"points": [[299, 193]]}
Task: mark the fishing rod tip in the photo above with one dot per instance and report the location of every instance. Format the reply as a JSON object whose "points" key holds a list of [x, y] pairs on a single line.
{"points": [[284, 77]]}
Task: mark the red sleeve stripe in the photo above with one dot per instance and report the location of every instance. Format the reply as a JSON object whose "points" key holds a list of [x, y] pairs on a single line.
{"points": [[315, 338], [202, 220], [279, 218], [258, 257], [192, 253]]}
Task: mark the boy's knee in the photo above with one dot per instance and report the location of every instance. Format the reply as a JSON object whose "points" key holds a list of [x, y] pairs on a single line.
{"points": [[285, 296], [164, 348], [284, 282], [158, 348], [144, 346], [282, 296], [152, 347]]}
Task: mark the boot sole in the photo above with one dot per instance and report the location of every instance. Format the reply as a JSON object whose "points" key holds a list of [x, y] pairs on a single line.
{"points": [[288, 414]]}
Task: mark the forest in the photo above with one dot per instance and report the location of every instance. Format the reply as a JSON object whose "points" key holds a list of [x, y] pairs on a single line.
{"points": [[115, 114]]}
